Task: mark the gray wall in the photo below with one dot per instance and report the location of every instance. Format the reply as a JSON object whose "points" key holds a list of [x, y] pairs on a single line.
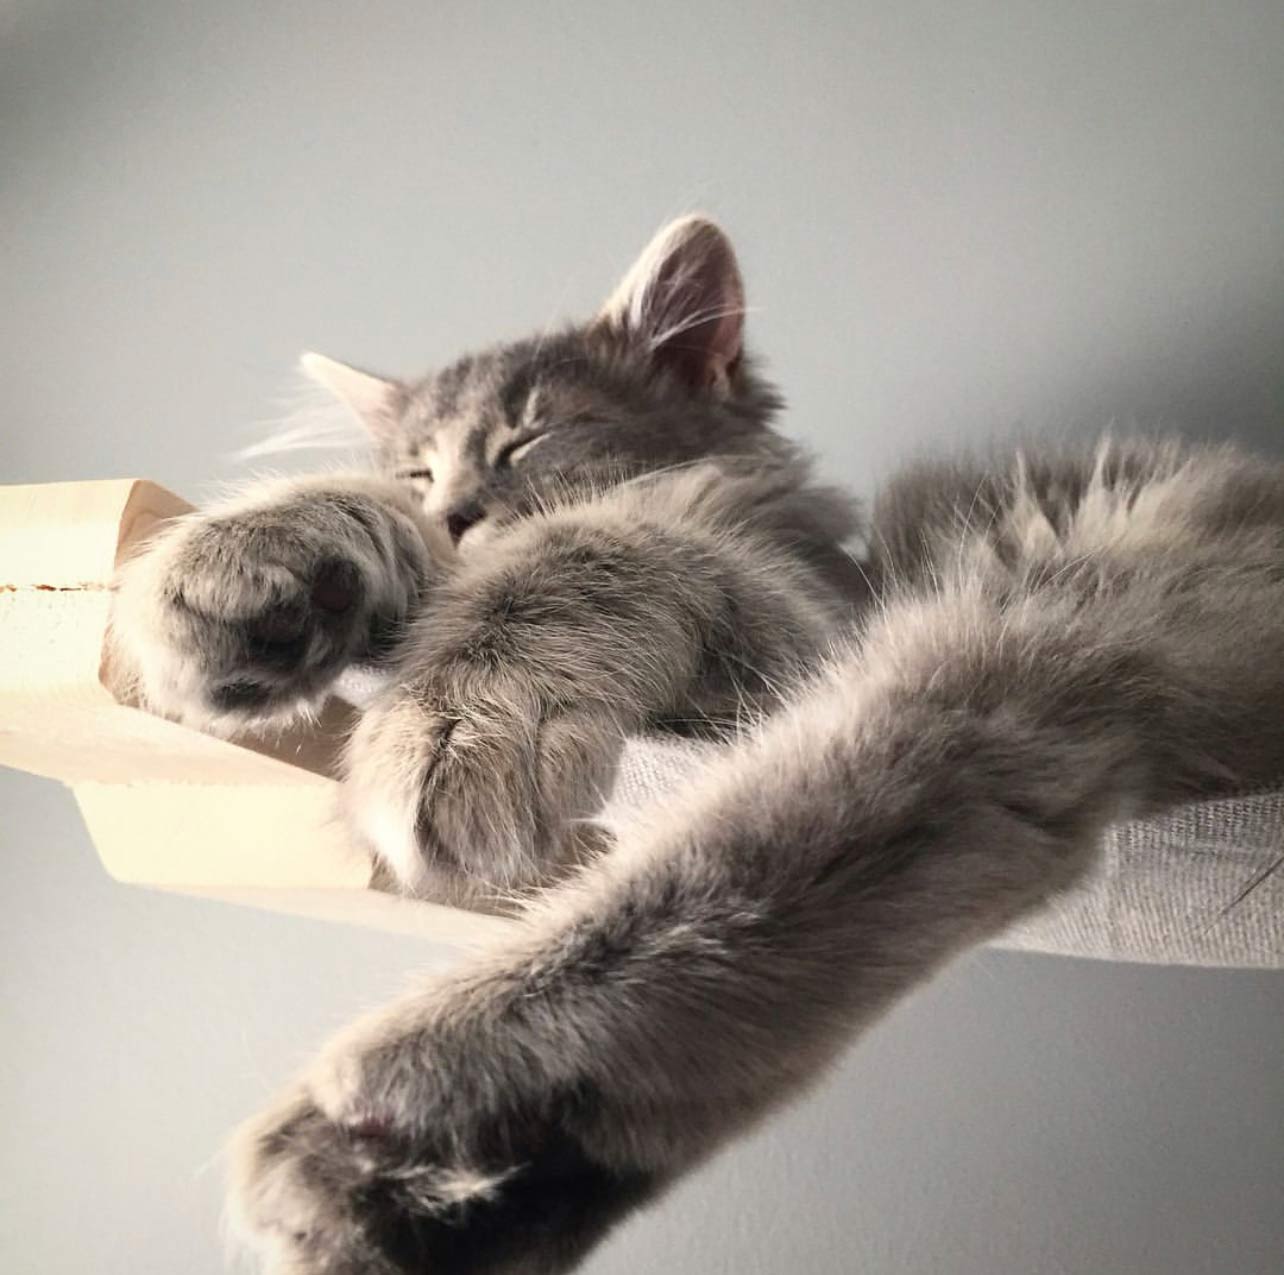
{"points": [[957, 219]]}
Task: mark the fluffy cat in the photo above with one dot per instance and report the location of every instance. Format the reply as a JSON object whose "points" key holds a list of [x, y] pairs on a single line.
{"points": [[597, 533]]}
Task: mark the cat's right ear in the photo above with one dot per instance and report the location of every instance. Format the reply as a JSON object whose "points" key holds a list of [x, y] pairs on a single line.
{"points": [[374, 400], [684, 300]]}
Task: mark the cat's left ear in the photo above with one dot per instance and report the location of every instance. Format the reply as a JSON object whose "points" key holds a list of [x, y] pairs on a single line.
{"points": [[374, 400], [684, 298]]}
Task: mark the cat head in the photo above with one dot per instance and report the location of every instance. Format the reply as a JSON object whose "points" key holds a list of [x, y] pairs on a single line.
{"points": [[657, 378]]}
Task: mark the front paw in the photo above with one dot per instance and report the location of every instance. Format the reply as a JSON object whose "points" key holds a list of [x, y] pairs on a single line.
{"points": [[245, 619], [311, 1196], [379, 1166], [474, 800], [293, 1186]]}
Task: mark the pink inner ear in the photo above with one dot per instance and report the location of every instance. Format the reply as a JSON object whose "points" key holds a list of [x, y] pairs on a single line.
{"points": [[696, 310]]}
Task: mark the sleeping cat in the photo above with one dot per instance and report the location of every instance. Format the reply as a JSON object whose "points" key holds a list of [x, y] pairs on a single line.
{"points": [[598, 533]]}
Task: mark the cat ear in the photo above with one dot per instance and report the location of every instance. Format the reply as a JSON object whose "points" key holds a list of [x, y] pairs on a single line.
{"points": [[684, 297], [372, 399]]}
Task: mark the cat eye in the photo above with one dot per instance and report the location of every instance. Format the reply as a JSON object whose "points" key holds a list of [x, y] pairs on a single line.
{"points": [[518, 448], [424, 475]]}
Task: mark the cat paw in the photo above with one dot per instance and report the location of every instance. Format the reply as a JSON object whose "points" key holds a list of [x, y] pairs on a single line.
{"points": [[474, 799], [292, 1190], [391, 1160], [311, 1196], [245, 619]]}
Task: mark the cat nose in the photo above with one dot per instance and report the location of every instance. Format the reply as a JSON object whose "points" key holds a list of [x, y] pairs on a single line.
{"points": [[459, 519]]}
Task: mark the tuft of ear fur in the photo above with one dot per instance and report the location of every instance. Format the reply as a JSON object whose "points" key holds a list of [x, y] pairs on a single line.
{"points": [[685, 298], [374, 400]]}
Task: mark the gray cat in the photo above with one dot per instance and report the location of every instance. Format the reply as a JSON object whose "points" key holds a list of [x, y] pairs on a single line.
{"points": [[598, 533]]}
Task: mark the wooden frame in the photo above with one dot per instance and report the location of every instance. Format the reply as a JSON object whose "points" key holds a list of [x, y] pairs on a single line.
{"points": [[167, 806]]}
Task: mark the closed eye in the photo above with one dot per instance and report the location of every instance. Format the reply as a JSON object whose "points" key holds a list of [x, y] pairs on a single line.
{"points": [[422, 475], [518, 448]]}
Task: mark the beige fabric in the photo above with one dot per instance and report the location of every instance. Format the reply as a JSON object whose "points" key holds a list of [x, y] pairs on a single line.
{"points": [[1202, 886]]}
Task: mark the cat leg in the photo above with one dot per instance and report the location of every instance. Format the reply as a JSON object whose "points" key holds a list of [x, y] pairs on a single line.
{"points": [[242, 616], [473, 800], [934, 784], [474, 776]]}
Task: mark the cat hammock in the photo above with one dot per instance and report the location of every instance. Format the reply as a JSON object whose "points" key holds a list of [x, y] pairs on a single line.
{"points": [[253, 823]]}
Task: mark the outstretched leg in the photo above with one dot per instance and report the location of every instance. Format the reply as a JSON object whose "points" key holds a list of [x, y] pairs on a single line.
{"points": [[942, 777], [932, 786]]}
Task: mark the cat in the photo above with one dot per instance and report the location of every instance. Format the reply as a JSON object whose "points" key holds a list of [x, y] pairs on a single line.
{"points": [[597, 533], [569, 539]]}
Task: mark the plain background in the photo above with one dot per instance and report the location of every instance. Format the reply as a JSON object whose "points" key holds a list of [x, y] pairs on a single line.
{"points": [[958, 220]]}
